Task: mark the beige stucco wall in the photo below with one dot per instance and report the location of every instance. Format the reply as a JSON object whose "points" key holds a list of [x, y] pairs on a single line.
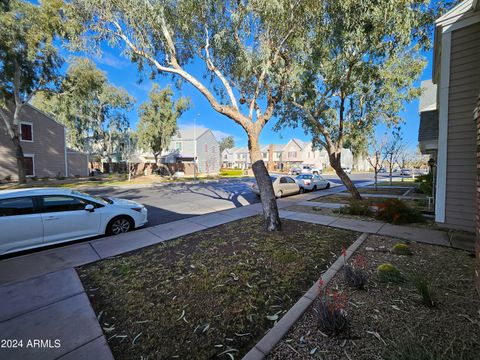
{"points": [[48, 146], [464, 88]]}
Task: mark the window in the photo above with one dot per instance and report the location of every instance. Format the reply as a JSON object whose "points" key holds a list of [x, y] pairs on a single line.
{"points": [[283, 180], [178, 146], [56, 203], [26, 132], [16, 206], [290, 180], [292, 154], [29, 165], [206, 147]]}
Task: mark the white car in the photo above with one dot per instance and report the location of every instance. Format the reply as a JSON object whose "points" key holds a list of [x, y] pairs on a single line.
{"points": [[311, 182], [282, 186], [310, 169], [31, 218], [347, 169]]}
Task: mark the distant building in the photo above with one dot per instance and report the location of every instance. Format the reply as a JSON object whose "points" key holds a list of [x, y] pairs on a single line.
{"points": [[294, 153], [44, 148], [190, 142]]}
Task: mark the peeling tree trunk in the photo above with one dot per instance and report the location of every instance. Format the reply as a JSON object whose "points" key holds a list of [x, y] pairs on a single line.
{"points": [[335, 162], [15, 136], [267, 195], [22, 173]]}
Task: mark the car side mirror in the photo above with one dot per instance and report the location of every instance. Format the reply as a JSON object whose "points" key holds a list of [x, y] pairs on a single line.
{"points": [[89, 208]]}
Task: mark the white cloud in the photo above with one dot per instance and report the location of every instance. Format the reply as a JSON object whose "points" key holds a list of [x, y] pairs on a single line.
{"points": [[112, 61], [220, 135]]}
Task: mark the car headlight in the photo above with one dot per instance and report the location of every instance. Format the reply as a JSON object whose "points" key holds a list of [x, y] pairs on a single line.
{"points": [[137, 209]]}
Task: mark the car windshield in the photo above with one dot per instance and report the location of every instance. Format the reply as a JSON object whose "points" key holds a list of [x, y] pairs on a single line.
{"points": [[304, 176], [273, 178], [100, 199]]}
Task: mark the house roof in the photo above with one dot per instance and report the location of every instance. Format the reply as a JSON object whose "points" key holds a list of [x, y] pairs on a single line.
{"points": [[466, 10], [457, 12], [189, 133]]}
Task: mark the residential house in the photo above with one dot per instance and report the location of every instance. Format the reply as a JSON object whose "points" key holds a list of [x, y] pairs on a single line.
{"points": [[44, 147], [228, 158], [456, 86], [189, 143], [273, 154]]}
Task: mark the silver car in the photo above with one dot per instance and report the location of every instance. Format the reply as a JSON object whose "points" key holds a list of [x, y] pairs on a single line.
{"points": [[282, 186], [311, 182]]}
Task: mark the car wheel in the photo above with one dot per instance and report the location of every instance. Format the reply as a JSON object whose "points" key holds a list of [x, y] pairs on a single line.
{"points": [[314, 188], [328, 186], [279, 194], [119, 225], [302, 190]]}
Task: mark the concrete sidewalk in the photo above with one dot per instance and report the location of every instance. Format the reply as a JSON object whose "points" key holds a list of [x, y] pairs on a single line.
{"points": [[409, 233]]}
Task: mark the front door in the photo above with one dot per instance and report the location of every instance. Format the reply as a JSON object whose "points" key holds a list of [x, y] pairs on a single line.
{"points": [[20, 226], [65, 218]]}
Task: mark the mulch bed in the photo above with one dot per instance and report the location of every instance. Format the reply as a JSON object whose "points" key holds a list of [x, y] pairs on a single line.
{"points": [[382, 191], [212, 294], [389, 320]]}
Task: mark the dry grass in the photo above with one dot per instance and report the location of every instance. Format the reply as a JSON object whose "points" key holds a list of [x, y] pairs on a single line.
{"points": [[209, 294]]}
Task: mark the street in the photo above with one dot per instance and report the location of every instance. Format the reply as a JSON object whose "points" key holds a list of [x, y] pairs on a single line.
{"points": [[168, 203]]}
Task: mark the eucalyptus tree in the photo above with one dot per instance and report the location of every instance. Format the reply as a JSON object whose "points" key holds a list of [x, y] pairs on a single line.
{"points": [[243, 48], [29, 61], [158, 119], [228, 142], [94, 111], [359, 72]]}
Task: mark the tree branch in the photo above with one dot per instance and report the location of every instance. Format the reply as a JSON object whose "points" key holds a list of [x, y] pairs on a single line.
{"points": [[217, 72], [226, 110]]}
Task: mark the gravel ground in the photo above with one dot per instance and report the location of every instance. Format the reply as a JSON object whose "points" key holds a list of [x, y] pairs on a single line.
{"points": [[389, 321]]}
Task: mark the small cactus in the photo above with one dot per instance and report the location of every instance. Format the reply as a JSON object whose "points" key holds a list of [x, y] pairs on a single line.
{"points": [[402, 249], [389, 273]]}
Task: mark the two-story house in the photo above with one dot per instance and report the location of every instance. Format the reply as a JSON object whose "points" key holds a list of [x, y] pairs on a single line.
{"points": [[191, 143], [447, 128], [44, 147]]}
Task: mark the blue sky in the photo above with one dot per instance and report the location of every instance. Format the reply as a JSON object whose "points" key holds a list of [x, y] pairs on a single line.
{"points": [[122, 72]]}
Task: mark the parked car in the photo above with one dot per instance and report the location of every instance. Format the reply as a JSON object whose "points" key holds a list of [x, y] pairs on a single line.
{"points": [[405, 172], [311, 182], [31, 218], [382, 170], [310, 169], [282, 186], [347, 169], [295, 170]]}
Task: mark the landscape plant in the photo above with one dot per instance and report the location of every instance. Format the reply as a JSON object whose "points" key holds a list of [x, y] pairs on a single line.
{"points": [[425, 290], [389, 273], [330, 309], [402, 249], [357, 207], [395, 211], [356, 275]]}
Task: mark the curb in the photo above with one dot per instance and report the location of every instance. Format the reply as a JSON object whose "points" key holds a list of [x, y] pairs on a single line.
{"points": [[275, 334]]}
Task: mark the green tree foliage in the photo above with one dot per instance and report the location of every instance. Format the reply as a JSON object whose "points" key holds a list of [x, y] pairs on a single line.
{"points": [[93, 110], [227, 142], [29, 61], [158, 119], [244, 47], [359, 72]]}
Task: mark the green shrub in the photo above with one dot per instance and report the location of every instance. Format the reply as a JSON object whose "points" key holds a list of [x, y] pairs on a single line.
{"points": [[59, 176], [425, 183], [356, 207], [8, 178], [231, 172], [389, 273], [425, 290], [402, 249], [397, 212]]}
